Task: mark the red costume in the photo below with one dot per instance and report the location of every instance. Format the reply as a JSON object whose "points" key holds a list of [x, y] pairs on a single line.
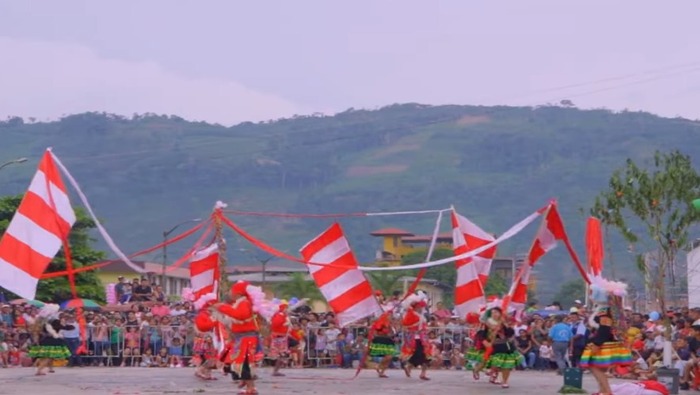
{"points": [[382, 326], [381, 338], [204, 323], [243, 344], [279, 331], [416, 348]]}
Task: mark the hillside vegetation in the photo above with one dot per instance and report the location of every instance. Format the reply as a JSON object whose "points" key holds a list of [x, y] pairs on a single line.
{"points": [[495, 164]]}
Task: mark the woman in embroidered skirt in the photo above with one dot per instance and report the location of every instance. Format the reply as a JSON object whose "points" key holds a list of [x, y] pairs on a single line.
{"points": [[382, 343], [416, 348], [51, 346], [474, 340], [280, 327], [491, 320], [204, 347], [239, 357], [505, 355], [605, 350], [475, 355]]}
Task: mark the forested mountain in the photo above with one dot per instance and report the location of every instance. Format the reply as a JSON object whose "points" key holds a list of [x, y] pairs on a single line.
{"points": [[495, 164]]}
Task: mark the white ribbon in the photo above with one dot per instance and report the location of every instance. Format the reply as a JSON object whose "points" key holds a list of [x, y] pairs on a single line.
{"points": [[407, 212], [433, 242], [514, 230], [99, 226]]}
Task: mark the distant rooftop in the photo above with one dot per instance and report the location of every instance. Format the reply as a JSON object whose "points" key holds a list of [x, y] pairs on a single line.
{"points": [[391, 232], [442, 237], [238, 269], [258, 277]]}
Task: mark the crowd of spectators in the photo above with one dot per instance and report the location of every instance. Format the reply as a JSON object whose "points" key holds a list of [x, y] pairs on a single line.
{"points": [[145, 330]]}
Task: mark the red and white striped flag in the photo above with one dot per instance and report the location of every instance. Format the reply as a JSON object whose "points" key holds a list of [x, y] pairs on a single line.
{"points": [[551, 230], [472, 273], [204, 271], [37, 231], [344, 286]]}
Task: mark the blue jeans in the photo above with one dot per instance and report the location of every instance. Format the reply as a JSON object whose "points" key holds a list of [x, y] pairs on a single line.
{"points": [[73, 343], [529, 360], [348, 358], [560, 349]]}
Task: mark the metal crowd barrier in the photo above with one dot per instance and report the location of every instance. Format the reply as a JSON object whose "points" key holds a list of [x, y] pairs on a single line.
{"points": [[124, 345], [114, 345], [453, 340]]}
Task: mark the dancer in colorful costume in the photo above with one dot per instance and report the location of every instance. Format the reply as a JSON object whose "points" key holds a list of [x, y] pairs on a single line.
{"points": [[491, 319], [605, 350], [382, 343], [416, 350], [505, 356], [206, 326], [241, 353], [280, 327], [51, 346], [474, 357]]}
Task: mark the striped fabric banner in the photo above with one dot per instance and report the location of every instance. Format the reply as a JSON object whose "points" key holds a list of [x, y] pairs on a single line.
{"points": [[472, 272], [204, 271], [551, 230], [344, 286], [44, 218]]}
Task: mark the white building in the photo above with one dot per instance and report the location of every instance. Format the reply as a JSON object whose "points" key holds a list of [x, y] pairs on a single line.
{"points": [[694, 275]]}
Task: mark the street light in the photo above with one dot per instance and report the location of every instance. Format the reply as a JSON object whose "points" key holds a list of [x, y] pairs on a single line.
{"points": [[263, 262], [165, 247], [12, 162]]}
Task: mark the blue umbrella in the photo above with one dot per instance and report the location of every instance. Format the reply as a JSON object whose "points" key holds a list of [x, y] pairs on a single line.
{"points": [[547, 313]]}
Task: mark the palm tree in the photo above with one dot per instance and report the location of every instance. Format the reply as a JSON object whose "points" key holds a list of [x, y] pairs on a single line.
{"points": [[387, 282], [298, 286]]}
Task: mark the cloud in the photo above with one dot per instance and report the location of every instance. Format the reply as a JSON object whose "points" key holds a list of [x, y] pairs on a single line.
{"points": [[47, 80]]}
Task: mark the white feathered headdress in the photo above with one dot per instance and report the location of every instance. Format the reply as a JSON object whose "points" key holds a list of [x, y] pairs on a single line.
{"points": [[49, 311], [204, 299], [602, 289], [261, 305]]}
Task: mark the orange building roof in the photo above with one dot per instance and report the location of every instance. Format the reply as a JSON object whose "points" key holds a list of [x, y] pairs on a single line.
{"points": [[391, 232]]}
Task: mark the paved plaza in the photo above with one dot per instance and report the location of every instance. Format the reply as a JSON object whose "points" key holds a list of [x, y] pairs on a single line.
{"points": [[143, 381]]}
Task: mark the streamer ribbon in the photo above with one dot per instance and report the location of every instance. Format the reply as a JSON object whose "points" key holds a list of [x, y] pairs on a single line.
{"points": [[132, 256], [100, 228], [336, 215], [514, 230]]}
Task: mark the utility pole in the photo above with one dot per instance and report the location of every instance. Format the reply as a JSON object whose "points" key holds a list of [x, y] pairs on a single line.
{"points": [[221, 244], [263, 263]]}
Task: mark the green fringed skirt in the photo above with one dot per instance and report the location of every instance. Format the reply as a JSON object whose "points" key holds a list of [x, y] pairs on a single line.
{"points": [[53, 352], [505, 361], [474, 356], [382, 346]]}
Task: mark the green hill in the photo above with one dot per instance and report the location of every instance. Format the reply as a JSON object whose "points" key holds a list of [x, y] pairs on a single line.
{"points": [[495, 164]]}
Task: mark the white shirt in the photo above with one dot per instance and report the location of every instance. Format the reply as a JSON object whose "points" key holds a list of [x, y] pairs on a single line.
{"points": [[580, 328], [642, 363], [546, 352], [520, 328], [659, 342], [177, 312]]}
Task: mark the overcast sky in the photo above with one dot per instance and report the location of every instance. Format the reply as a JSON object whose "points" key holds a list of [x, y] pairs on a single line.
{"points": [[228, 62]]}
